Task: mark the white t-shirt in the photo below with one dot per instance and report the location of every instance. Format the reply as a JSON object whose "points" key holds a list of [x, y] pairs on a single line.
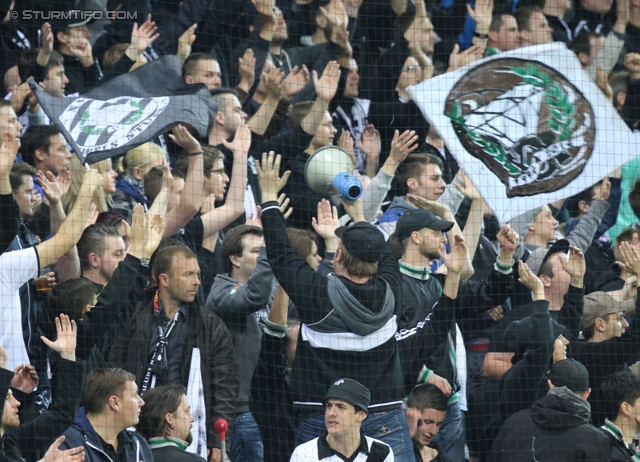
{"points": [[16, 268], [318, 450]]}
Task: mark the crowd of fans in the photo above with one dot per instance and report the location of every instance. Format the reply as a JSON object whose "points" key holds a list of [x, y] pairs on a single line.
{"points": [[147, 296]]}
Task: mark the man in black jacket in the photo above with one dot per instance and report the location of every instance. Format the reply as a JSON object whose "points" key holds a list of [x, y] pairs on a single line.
{"points": [[18, 441], [556, 427], [170, 325], [348, 321], [620, 393]]}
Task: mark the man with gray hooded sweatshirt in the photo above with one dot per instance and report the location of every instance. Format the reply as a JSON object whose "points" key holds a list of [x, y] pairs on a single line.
{"points": [[348, 321]]}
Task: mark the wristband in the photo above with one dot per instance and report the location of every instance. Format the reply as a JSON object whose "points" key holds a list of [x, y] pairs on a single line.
{"points": [[503, 267], [481, 36], [197, 153]]}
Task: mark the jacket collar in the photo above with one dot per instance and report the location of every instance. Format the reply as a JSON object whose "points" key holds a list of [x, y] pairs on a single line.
{"points": [[615, 432], [417, 272]]}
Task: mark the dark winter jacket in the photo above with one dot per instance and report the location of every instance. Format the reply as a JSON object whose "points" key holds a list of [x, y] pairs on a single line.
{"points": [[555, 428], [207, 332], [25, 440], [131, 446]]}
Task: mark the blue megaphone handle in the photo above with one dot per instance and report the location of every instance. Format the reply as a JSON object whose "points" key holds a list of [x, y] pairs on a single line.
{"points": [[348, 186]]}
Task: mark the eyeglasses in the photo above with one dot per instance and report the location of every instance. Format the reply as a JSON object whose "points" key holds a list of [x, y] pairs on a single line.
{"points": [[410, 68], [219, 172]]}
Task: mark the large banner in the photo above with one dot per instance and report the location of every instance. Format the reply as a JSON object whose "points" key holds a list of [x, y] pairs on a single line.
{"points": [[528, 126], [129, 110]]}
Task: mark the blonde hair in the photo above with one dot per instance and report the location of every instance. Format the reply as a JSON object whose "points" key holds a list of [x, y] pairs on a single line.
{"points": [[102, 201], [355, 266], [142, 156]]}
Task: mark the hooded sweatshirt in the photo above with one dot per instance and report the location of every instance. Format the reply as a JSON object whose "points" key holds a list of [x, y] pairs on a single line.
{"points": [[556, 427]]}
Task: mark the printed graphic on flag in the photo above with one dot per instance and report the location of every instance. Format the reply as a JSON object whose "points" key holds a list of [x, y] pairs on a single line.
{"points": [[105, 125], [525, 122], [528, 126]]}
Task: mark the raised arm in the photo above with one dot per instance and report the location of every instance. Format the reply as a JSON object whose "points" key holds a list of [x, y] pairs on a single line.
{"points": [[161, 202], [326, 87], [217, 219], [69, 264], [262, 118], [177, 217], [74, 224]]}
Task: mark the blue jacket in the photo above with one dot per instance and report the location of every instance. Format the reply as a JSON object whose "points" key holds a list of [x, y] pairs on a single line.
{"points": [[131, 446]]}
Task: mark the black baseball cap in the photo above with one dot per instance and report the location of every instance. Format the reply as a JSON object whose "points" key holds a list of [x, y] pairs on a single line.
{"points": [[415, 220], [363, 241], [539, 256], [569, 373], [351, 391]]}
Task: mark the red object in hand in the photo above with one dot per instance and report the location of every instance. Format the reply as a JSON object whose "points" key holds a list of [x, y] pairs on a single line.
{"points": [[221, 427]]}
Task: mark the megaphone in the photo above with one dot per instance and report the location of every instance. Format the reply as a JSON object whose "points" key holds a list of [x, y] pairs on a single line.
{"points": [[327, 172]]}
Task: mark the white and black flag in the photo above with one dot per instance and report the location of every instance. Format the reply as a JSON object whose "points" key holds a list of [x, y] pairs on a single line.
{"points": [[129, 110]]}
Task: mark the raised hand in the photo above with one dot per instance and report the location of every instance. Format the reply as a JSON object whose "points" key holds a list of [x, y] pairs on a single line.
{"points": [[92, 216], [481, 15], [209, 204], [269, 177], [603, 191], [632, 63], [241, 142], [247, 70], [273, 83], [575, 265], [18, 94], [456, 259], [181, 136], [327, 85], [458, 59], [47, 38], [508, 238], [467, 188], [142, 37], [64, 180], [265, 8], [631, 259], [434, 207], [295, 81], [81, 48], [92, 180], [65, 343], [530, 280], [25, 378], [168, 182], [602, 80], [50, 187], [354, 209], [346, 142], [186, 41], [284, 203], [402, 145], [8, 151], [327, 223], [369, 142]]}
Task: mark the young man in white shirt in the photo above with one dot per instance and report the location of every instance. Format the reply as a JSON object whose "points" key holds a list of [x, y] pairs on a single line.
{"points": [[346, 406]]}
